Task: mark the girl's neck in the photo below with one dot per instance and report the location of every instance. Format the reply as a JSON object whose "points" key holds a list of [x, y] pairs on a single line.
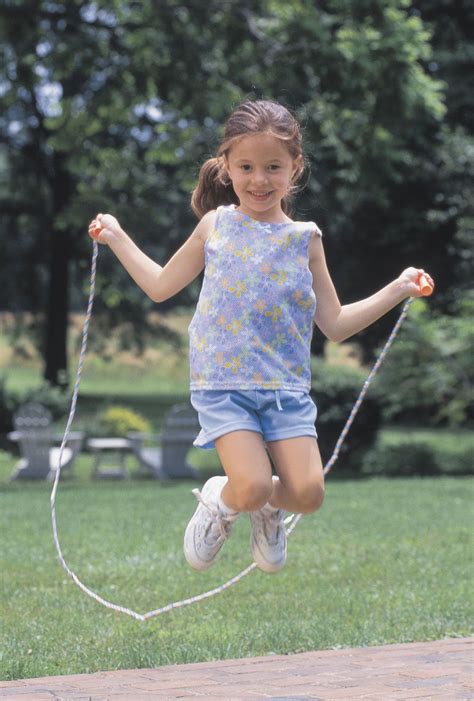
{"points": [[270, 217]]}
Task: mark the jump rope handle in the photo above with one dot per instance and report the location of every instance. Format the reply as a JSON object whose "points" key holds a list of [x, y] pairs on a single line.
{"points": [[426, 288], [95, 233]]}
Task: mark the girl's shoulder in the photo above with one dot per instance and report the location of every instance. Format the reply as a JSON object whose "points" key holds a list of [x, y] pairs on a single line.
{"points": [[207, 224], [211, 219]]}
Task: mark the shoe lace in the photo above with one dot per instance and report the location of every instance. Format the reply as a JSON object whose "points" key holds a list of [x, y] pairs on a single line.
{"points": [[272, 522], [219, 526]]}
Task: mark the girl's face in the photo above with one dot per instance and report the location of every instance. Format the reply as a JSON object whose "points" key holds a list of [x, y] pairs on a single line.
{"points": [[261, 167]]}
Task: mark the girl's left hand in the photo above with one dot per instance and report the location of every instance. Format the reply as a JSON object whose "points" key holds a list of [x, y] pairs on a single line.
{"points": [[409, 281]]}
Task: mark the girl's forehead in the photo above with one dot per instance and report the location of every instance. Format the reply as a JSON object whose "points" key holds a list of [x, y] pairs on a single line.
{"points": [[259, 146]]}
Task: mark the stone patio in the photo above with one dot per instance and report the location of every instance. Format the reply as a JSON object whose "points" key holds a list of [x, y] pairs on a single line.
{"points": [[440, 670]]}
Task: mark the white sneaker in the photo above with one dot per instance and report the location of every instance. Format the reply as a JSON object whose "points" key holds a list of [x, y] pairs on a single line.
{"points": [[268, 538], [209, 527]]}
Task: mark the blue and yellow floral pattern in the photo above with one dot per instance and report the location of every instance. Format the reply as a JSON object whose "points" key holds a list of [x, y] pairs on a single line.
{"points": [[254, 319]]}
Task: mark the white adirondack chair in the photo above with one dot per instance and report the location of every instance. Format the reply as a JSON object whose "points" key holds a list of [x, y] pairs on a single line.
{"points": [[33, 433], [168, 459]]}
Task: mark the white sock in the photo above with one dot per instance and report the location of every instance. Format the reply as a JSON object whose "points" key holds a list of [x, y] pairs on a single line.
{"points": [[268, 506], [224, 509]]}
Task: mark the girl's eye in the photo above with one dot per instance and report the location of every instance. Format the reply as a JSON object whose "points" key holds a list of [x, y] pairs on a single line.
{"points": [[247, 168]]}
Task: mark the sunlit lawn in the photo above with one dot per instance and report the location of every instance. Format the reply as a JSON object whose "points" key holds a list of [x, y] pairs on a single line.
{"points": [[384, 561]]}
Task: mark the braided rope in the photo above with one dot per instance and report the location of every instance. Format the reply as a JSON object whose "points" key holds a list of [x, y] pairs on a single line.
{"points": [[292, 520]]}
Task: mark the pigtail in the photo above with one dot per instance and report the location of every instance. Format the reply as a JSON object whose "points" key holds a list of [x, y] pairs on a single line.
{"points": [[214, 188]]}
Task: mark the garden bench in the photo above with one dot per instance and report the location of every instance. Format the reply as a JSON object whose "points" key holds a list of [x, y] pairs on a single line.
{"points": [[169, 459], [33, 433]]}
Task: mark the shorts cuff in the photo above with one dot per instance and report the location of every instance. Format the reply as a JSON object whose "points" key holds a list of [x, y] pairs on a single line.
{"points": [[291, 433], [206, 440]]}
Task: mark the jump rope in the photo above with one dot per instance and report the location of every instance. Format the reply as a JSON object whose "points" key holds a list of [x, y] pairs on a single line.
{"points": [[291, 522]]}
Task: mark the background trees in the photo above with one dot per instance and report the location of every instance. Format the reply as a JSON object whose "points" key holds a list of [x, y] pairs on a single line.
{"points": [[113, 106]]}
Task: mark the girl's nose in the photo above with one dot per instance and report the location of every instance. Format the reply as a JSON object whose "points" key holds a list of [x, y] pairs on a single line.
{"points": [[260, 176]]}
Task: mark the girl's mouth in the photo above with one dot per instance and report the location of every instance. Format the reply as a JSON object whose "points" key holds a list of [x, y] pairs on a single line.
{"points": [[260, 196]]}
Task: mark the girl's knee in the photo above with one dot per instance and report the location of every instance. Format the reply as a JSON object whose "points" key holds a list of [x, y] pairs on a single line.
{"points": [[251, 495], [309, 497]]}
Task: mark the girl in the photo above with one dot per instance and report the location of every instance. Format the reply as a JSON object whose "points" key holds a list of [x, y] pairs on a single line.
{"points": [[265, 283]]}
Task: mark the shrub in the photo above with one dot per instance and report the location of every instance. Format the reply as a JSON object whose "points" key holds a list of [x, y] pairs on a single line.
{"points": [[335, 391], [434, 452], [119, 420], [404, 460], [427, 378], [53, 398]]}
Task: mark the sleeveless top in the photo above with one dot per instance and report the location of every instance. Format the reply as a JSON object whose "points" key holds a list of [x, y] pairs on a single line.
{"points": [[253, 323]]}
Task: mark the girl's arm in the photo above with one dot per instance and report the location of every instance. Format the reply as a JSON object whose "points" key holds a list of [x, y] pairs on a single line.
{"points": [[158, 282], [339, 322]]}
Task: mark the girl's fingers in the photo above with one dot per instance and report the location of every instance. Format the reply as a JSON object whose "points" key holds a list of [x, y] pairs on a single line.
{"points": [[95, 228], [95, 221]]}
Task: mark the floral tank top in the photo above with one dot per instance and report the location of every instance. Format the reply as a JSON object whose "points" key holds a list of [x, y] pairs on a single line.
{"points": [[253, 323]]}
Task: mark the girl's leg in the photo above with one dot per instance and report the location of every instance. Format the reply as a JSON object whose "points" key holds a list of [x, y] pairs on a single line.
{"points": [[300, 487], [248, 485], [249, 473]]}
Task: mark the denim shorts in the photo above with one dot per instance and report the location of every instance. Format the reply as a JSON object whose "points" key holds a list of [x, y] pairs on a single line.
{"points": [[275, 414]]}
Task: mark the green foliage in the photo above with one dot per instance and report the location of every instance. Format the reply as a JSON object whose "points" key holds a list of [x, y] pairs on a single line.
{"points": [[100, 113], [55, 399], [417, 459], [335, 391], [401, 461], [52, 398], [451, 26], [119, 420], [454, 207], [428, 375]]}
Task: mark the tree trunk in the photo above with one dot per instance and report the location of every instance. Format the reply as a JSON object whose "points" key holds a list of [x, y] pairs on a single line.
{"points": [[57, 313], [57, 304]]}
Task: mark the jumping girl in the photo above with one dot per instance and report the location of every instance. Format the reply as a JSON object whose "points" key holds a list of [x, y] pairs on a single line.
{"points": [[265, 283]]}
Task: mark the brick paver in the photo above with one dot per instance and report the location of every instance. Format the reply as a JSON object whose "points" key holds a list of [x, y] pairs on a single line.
{"points": [[439, 670]]}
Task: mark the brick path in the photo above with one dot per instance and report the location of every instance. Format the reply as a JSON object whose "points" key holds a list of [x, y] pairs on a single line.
{"points": [[435, 670]]}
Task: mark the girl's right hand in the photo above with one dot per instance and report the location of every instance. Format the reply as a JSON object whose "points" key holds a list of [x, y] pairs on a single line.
{"points": [[108, 226]]}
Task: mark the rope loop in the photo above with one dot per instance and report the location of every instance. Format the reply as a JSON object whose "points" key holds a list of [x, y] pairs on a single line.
{"points": [[292, 521]]}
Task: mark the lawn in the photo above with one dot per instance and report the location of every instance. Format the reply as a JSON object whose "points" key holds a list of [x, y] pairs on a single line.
{"points": [[384, 561]]}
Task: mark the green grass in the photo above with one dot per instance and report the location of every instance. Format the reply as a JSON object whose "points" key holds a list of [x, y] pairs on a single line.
{"points": [[384, 561], [110, 377], [162, 369]]}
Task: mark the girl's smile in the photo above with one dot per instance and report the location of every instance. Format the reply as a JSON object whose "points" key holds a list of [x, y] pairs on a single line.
{"points": [[261, 195], [260, 167]]}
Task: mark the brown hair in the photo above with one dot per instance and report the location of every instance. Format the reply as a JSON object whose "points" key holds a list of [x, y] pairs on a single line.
{"points": [[214, 187]]}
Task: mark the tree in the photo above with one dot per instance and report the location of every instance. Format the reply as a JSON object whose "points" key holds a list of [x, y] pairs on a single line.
{"points": [[112, 106], [373, 117]]}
